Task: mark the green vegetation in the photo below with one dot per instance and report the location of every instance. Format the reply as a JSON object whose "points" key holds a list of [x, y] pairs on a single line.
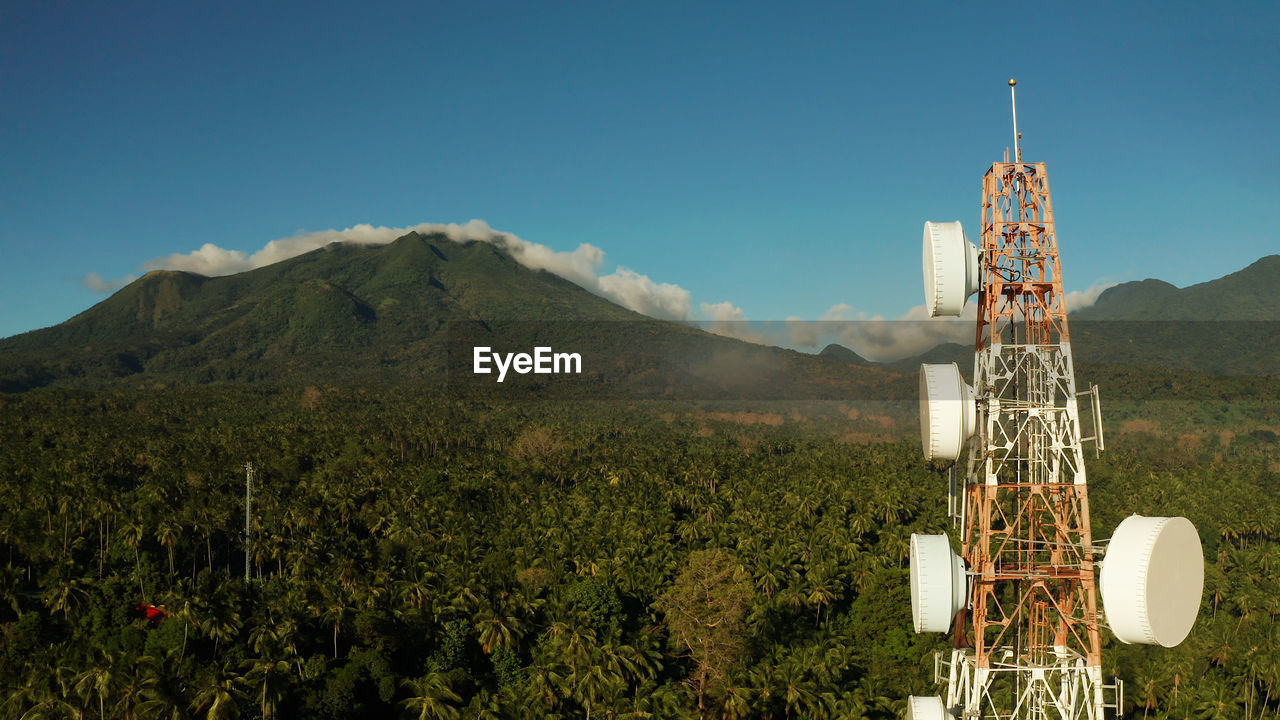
{"points": [[693, 527], [423, 558]]}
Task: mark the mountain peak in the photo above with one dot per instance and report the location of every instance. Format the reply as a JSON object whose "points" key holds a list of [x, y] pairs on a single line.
{"points": [[842, 354], [1267, 267]]}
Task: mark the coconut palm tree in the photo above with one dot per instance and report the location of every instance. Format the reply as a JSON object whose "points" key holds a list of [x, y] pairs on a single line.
{"points": [[431, 698], [270, 678], [219, 695], [167, 534]]}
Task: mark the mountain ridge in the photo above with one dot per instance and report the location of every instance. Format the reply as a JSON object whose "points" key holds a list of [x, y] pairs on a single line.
{"points": [[1249, 294], [361, 313]]}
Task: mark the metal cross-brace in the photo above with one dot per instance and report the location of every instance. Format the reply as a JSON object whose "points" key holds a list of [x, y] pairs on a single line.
{"points": [[1070, 688]]}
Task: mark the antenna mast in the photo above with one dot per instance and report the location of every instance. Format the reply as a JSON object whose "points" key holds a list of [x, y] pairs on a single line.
{"points": [[1013, 97], [248, 509]]}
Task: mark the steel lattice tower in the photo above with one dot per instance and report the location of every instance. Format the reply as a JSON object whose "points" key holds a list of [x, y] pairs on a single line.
{"points": [[1022, 600], [1029, 645]]}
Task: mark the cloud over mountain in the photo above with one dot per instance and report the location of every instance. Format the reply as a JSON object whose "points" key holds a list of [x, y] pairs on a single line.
{"points": [[95, 282], [582, 265]]}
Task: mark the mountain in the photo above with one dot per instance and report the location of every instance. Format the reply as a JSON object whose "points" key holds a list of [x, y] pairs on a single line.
{"points": [[384, 306], [840, 353], [1251, 294], [1230, 325], [412, 310]]}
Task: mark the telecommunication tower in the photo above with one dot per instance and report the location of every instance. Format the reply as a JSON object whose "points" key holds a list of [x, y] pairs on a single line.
{"points": [[1021, 599]]}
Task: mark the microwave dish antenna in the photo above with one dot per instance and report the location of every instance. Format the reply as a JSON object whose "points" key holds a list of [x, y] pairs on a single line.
{"points": [[948, 413], [1151, 580], [937, 583], [950, 268]]}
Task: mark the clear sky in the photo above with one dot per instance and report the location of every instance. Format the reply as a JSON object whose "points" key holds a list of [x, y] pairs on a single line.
{"points": [[778, 156]]}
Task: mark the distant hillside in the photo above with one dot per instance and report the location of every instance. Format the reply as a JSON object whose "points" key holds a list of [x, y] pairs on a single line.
{"points": [[843, 354], [412, 310], [1251, 294], [1226, 326], [1223, 347], [1230, 325]]}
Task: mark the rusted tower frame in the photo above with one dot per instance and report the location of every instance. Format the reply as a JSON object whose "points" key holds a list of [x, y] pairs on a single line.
{"points": [[1027, 539]]}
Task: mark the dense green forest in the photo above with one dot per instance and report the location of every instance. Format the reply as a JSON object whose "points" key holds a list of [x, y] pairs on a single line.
{"points": [[420, 557]]}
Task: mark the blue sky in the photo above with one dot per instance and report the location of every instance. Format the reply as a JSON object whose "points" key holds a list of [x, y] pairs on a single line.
{"points": [[782, 159]]}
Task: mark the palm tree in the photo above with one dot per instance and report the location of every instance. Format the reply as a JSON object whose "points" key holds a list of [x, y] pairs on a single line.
{"points": [[595, 685], [222, 625], [99, 681], [158, 699], [64, 596], [497, 630], [737, 703], [574, 646], [431, 697], [546, 684], [217, 698], [820, 596], [131, 534], [1218, 703], [486, 705], [167, 534], [270, 676], [331, 611], [1149, 690], [797, 692]]}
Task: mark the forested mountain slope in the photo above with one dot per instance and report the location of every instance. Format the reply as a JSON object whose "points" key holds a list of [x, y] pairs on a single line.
{"points": [[1250, 294], [401, 312]]}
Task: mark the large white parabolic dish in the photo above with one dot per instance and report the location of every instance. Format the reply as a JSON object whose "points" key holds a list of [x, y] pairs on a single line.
{"points": [[1151, 580], [928, 707], [938, 586], [950, 268], [948, 412]]}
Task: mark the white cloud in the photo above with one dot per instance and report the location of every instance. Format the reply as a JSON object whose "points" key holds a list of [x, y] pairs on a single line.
{"points": [[638, 292], [212, 260], [840, 311], [723, 312], [1080, 299], [728, 320], [208, 260], [99, 284]]}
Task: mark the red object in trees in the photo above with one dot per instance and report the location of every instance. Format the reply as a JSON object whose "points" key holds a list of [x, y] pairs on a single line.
{"points": [[152, 613]]}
